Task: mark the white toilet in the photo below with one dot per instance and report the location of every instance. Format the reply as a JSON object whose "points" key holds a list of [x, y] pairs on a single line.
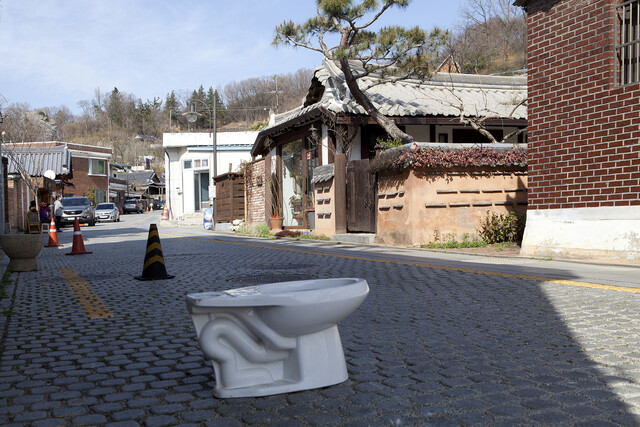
{"points": [[275, 338]]}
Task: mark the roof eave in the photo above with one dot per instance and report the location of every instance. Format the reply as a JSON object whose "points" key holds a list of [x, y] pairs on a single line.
{"points": [[305, 118]]}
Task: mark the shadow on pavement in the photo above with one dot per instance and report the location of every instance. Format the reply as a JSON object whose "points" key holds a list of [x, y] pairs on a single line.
{"points": [[427, 346]]}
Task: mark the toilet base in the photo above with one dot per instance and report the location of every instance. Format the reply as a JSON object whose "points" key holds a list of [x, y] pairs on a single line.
{"points": [[316, 362], [278, 387]]}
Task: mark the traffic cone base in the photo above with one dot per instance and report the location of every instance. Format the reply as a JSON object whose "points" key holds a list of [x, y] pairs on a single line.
{"points": [[154, 268], [53, 235], [78, 244]]}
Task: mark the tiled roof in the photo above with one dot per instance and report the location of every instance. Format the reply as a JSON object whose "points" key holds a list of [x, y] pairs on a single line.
{"points": [[444, 95], [139, 178], [36, 160], [481, 95]]}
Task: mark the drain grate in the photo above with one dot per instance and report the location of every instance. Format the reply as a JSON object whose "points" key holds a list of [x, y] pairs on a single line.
{"points": [[270, 278]]}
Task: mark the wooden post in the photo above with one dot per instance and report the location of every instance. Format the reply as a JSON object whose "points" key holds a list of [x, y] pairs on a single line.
{"points": [[340, 195], [267, 189]]}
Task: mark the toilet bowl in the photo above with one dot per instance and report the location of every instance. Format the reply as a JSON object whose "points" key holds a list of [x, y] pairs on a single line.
{"points": [[275, 338]]}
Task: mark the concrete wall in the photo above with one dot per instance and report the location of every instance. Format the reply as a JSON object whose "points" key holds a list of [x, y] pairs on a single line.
{"points": [[588, 233], [418, 206]]}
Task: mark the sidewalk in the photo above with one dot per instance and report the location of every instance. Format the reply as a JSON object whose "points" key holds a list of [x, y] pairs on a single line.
{"points": [[445, 339]]}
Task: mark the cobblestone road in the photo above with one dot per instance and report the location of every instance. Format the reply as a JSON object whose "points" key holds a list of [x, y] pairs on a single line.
{"points": [[430, 345]]}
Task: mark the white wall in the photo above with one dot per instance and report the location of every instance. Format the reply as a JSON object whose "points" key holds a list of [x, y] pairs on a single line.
{"points": [[232, 147], [588, 233]]}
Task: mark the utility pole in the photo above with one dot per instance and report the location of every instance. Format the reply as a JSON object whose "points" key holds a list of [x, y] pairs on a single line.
{"points": [[276, 92]]}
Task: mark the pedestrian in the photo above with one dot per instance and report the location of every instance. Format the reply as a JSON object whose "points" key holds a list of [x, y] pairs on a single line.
{"points": [[57, 212], [44, 213], [32, 206]]}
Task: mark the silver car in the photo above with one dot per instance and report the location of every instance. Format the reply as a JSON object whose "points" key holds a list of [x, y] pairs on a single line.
{"points": [[77, 207], [107, 212]]}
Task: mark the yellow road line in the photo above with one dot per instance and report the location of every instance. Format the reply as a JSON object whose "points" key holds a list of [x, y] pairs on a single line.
{"points": [[439, 267], [87, 299]]}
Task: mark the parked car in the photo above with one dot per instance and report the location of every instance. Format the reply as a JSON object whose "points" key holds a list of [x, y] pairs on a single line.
{"points": [[107, 212], [132, 206], [77, 207]]}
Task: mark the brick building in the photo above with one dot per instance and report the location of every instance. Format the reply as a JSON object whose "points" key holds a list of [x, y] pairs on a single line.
{"points": [[584, 129], [79, 170], [255, 192], [90, 166]]}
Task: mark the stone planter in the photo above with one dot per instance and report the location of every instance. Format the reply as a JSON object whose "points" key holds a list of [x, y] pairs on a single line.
{"points": [[275, 224], [22, 250]]}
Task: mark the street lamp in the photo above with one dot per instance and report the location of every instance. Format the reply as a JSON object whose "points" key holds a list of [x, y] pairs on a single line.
{"points": [[191, 116]]}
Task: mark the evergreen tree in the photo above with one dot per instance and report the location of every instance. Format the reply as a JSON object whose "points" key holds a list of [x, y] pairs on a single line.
{"points": [[392, 53]]}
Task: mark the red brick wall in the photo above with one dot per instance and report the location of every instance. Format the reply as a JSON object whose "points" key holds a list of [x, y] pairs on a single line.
{"points": [[255, 185], [82, 181], [19, 196], [584, 131]]}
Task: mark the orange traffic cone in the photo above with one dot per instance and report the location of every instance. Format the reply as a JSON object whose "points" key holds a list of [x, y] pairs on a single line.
{"points": [[53, 235], [78, 244], [165, 213]]}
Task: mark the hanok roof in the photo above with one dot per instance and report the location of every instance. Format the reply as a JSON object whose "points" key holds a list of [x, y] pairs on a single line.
{"points": [[444, 95], [142, 178], [36, 160]]}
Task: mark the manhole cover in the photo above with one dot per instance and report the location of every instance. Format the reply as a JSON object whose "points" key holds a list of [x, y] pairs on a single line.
{"points": [[280, 266], [183, 255], [270, 278], [99, 276]]}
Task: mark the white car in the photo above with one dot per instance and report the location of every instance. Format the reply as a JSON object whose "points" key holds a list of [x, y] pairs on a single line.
{"points": [[107, 212]]}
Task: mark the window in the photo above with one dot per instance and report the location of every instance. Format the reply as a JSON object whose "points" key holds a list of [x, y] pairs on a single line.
{"points": [[628, 42], [97, 166], [187, 164], [101, 196], [196, 163]]}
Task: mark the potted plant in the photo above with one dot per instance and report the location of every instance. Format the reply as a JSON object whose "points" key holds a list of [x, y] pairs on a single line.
{"points": [[275, 222]]}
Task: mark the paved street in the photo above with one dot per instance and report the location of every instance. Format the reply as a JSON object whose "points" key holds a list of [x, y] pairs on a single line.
{"points": [[442, 339]]}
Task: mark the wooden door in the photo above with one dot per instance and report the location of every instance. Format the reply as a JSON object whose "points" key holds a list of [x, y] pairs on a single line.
{"points": [[361, 198]]}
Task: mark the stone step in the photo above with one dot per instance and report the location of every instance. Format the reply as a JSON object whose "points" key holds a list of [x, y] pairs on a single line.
{"points": [[357, 238]]}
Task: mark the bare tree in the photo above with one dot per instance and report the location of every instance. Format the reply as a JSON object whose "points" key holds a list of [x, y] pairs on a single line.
{"points": [[22, 124], [491, 38], [251, 99], [476, 115]]}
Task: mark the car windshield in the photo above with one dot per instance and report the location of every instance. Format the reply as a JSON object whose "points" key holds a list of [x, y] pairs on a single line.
{"points": [[75, 201], [130, 202], [105, 206]]}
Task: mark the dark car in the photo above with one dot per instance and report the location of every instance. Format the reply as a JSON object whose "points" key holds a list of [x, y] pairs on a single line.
{"points": [[77, 207], [132, 206]]}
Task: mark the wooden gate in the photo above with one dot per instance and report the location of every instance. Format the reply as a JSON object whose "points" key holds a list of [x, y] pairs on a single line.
{"points": [[361, 198]]}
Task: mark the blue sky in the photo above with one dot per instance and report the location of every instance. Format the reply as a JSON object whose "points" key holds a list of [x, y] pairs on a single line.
{"points": [[57, 52]]}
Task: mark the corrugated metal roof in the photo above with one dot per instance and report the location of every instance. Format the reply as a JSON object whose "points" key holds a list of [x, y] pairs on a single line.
{"points": [[36, 160]]}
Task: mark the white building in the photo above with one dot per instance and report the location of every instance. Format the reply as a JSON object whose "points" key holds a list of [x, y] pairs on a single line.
{"points": [[189, 166]]}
